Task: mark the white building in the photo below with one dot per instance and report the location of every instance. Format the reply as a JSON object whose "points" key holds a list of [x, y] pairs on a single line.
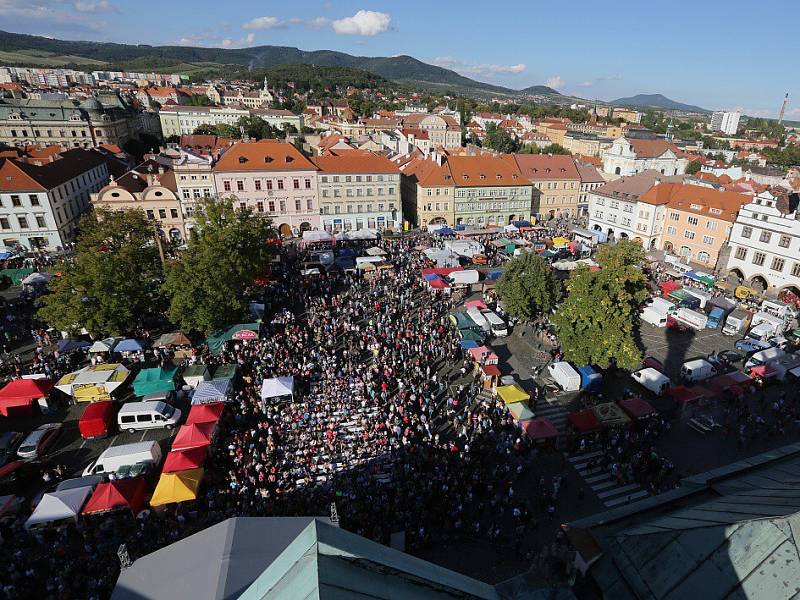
{"points": [[725, 121], [765, 243], [628, 157], [183, 120], [40, 205], [630, 208]]}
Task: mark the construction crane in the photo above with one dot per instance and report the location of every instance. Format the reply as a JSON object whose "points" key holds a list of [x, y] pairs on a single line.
{"points": [[783, 108]]}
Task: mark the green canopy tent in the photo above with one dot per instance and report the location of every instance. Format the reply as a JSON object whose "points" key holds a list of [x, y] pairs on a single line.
{"points": [[227, 371], [16, 275], [241, 331], [157, 379]]}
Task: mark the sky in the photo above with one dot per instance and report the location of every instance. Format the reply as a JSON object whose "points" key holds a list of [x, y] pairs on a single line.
{"points": [[715, 54]]}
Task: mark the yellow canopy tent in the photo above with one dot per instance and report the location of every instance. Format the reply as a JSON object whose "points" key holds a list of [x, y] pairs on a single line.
{"points": [[560, 242], [512, 393], [179, 486]]}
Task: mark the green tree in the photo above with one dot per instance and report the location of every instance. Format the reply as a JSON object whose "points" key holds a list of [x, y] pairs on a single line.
{"points": [[111, 285], [199, 100], [205, 129], [597, 322], [528, 287], [693, 167], [225, 253], [499, 139]]}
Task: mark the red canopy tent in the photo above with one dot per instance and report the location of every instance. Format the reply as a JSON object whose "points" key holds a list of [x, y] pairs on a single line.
{"points": [[585, 421], [17, 398], [194, 436], [120, 493], [182, 460], [477, 303], [205, 413], [728, 382], [686, 395], [667, 287], [637, 408], [490, 370], [443, 272], [438, 284], [540, 429], [763, 371]]}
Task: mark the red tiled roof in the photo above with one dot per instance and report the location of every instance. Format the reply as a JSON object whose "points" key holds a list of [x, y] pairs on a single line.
{"points": [[485, 170], [355, 161], [537, 167], [652, 148], [264, 155], [682, 197]]}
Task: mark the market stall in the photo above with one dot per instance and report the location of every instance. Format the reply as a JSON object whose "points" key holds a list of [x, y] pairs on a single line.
{"points": [[194, 435], [59, 506], [490, 376], [240, 331], [540, 430], [125, 494], [94, 383], [277, 389], [521, 411], [637, 408], [483, 355], [584, 421], [170, 340], [70, 346], [157, 379], [19, 397], [206, 392], [205, 413], [193, 375], [180, 486], [513, 393], [734, 382], [104, 345], [686, 397], [129, 345], [227, 371], [610, 414], [184, 460]]}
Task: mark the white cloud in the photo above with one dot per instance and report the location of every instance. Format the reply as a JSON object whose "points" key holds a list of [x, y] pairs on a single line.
{"points": [[486, 69], [317, 23], [93, 7], [364, 22], [591, 82], [56, 14], [555, 82], [263, 23]]}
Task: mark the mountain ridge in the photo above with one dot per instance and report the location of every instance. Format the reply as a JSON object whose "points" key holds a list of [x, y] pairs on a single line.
{"points": [[656, 101]]}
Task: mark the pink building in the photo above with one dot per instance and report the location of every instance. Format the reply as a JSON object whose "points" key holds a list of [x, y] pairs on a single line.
{"points": [[274, 179]]}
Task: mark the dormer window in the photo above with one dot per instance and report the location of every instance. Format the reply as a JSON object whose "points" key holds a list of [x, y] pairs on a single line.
{"points": [[465, 177], [499, 176], [242, 160], [483, 176], [289, 159], [267, 159]]}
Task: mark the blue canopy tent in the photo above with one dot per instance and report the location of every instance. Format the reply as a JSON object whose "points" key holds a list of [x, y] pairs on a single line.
{"points": [[67, 346], [467, 344], [521, 224], [494, 275], [216, 390], [347, 252], [444, 231], [129, 345]]}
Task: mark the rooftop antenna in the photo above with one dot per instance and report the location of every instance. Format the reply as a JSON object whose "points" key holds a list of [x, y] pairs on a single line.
{"points": [[783, 108]]}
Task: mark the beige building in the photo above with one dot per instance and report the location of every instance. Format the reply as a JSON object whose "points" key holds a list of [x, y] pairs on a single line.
{"points": [[428, 192], [556, 184], [150, 187]]}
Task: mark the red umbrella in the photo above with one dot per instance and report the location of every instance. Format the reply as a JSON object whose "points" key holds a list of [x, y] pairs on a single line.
{"points": [[183, 460], [205, 413], [194, 436], [120, 493]]}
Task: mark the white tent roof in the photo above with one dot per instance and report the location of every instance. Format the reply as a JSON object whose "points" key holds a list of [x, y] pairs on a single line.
{"points": [[36, 278], [358, 234], [317, 236], [375, 251], [106, 345], [278, 386], [108, 375], [57, 506]]}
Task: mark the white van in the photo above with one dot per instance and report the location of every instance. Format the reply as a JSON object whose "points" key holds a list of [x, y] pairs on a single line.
{"points": [[126, 455], [702, 295], [775, 322], [474, 313], [147, 415], [497, 324], [696, 370], [652, 379], [567, 378], [765, 357]]}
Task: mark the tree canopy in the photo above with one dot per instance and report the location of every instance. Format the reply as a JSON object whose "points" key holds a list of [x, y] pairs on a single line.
{"points": [[112, 282], [499, 139], [528, 287], [597, 322], [225, 253], [693, 167]]}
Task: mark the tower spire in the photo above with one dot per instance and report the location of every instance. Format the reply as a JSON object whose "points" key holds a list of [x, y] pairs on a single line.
{"points": [[783, 108]]}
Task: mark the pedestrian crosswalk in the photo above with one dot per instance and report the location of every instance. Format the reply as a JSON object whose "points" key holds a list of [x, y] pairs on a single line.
{"points": [[553, 412], [610, 492]]}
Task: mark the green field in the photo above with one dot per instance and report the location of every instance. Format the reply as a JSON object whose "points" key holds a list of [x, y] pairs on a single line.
{"points": [[44, 59]]}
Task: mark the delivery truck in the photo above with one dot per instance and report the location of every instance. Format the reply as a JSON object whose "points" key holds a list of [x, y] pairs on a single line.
{"points": [[98, 420], [567, 378], [765, 357], [692, 318], [703, 296], [652, 379], [784, 365], [657, 311], [774, 325], [696, 370], [114, 458], [737, 322], [474, 313], [466, 277]]}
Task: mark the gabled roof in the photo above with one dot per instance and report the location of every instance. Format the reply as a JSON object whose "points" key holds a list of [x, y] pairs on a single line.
{"points": [[355, 161], [633, 188], [485, 171], [543, 167], [699, 200], [264, 155], [27, 176], [588, 173], [427, 172], [646, 148]]}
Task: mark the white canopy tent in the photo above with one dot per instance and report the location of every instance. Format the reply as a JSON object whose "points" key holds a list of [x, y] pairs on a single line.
{"points": [[216, 390], [95, 382], [375, 251], [468, 248], [58, 506], [105, 345], [37, 279], [357, 234], [277, 387], [310, 237], [442, 258]]}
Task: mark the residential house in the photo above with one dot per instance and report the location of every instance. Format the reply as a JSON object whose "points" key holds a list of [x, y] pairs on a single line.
{"points": [[556, 183], [149, 187], [249, 98], [183, 120], [428, 191], [628, 156], [765, 243], [489, 190], [590, 180], [273, 179], [357, 190], [42, 201], [279, 118], [699, 221]]}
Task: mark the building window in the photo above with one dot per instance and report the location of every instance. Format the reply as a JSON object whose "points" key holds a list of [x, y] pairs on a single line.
{"points": [[747, 232], [689, 235], [310, 204], [707, 239], [269, 184], [785, 241], [226, 185], [671, 230], [173, 213], [675, 216], [741, 253], [150, 214], [297, 205], [15, 201], [162, 213], [777, 264], [34, 199], [6, 225], [692, 220], [795, 266], [260, 207], [711, 225], [765, 237], [280, 184], [296, 184], [283, 206], [240, 185], [258, 184], [758, 258], [40, 222], [23, 222], [272, 206], [242, 206], [186, 194], [308, 184]]}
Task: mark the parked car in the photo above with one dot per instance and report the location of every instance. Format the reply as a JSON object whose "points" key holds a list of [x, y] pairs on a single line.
{"points": [[8, 444], [675, 325], [17, 474], [750, 345], [653, 363], [38, 441]]}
